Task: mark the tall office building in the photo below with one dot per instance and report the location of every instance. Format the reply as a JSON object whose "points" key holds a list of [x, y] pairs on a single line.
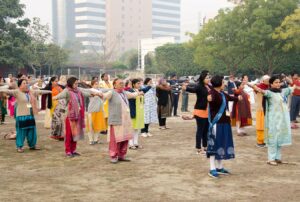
{"points": [[63, 22], [166, 18], [128, 21], [90, 23], [116, 25]]}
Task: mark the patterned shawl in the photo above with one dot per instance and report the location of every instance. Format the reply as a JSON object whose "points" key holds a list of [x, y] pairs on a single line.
{"points": [[76, 113]]}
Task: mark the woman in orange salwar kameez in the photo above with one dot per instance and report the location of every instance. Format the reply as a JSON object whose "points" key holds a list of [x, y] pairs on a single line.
{"points": [[260, 116]]}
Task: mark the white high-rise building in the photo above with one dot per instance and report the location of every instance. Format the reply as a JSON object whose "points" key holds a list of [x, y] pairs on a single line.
{"points": [[90, 23], [166, 18]]}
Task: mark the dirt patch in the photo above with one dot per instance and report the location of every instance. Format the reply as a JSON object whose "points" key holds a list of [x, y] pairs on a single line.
{"points": [[166, 169]]}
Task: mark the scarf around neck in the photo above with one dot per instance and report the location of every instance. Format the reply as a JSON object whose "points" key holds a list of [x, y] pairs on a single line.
{"points": [[76, 104], [275, 90]]}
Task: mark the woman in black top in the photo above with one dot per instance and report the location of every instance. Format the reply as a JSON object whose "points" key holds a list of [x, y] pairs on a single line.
{"points": [[201, 110], [164, 104]]}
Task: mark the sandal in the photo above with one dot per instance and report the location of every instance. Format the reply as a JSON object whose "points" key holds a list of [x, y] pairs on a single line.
{"points": [[133, 148], [20, 150], [272, 163], [35, 148], [281, 162], [138, 146]]}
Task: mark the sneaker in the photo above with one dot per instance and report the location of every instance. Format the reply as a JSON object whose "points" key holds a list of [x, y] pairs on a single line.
{"points": [[144, 135], [213, 174], [261, 145], [149, 134], [114, 161], [223, 171]]}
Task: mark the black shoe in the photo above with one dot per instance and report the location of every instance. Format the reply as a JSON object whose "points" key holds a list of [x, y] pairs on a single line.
{"points": [[76, 154], [124, 159], [103, 132]]}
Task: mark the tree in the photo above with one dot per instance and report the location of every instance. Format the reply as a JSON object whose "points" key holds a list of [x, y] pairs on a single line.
{"points": [[242, 37], [119, 65], [36, 51], [176, 58], [264, 17], [130, 59], [56, 56], [13, 37], [222, 40], [133, 61], [289, 32]]}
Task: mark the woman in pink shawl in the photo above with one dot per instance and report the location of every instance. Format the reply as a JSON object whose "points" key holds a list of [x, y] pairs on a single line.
{"points": [[75, 117], [11, 102]]}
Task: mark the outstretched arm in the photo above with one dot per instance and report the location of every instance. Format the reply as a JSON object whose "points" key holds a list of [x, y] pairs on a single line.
{"points": [[9, 92], [63, 95]]}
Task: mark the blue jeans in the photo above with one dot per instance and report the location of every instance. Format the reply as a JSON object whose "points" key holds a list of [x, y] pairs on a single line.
{"points": [[175, 102], [295, 107]]}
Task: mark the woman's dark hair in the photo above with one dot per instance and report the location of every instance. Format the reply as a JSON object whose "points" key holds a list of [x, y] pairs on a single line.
{"points": [[93, 82], [20, 81], [114, 82], [52, 79], [273, 78], [127, 82], [202, 77], [216, 81], [147, 81], [71, 81], [19, 75], [134, 81], [244, 76], [103, 75]]}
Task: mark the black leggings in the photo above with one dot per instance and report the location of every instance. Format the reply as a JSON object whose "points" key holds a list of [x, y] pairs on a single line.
{"points": [[162, 121], [201, 134], [146, 129]]}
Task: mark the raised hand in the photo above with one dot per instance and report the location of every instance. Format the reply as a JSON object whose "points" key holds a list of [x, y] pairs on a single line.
{"points": [[209, 98]]}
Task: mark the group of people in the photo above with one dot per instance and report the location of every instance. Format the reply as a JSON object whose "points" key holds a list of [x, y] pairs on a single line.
{"points": [[216, 112], [73, 108], [124, 110]]}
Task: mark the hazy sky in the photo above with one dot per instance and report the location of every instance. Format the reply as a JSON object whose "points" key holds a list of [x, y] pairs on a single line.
{"points": [[191, 10]]}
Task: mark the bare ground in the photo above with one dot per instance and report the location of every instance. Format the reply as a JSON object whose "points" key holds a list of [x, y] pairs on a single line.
{"points": [[166, 169]]}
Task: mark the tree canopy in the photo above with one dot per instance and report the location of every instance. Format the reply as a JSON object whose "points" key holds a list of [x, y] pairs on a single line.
{"points": [[13, 36], [243, 37]]}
